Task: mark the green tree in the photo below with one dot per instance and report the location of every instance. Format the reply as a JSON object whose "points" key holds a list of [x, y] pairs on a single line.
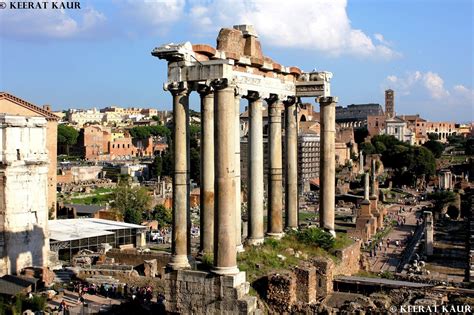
{"points": [[380, 147], [367, 148], [435, 147], [424, 162], [163, 215], [442, 199], [433, 136], [167, 163], [469, 146], [67, 136], [195, 165], [360, 134], [130, 201], [140, 132], [157, 166]]}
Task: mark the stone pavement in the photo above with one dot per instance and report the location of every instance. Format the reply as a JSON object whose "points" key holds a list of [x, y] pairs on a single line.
{"points": [[389, 258]]}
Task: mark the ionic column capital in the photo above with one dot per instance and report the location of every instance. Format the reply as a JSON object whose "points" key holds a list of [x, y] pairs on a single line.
{"points": [[272, 99], [220, 84], [289, 101], [327, 100], [253, 96], [204, 89], [177, 88]]}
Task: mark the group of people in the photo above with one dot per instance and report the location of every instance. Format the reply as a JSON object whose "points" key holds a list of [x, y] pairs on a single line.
{"points": [[142, 294], [162, 236], [381, 246]]}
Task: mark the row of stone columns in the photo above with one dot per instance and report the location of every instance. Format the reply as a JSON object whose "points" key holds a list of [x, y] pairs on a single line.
{"points": [[220, 171]]}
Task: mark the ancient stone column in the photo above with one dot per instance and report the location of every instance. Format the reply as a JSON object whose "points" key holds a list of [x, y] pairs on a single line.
{"points": [[361, 162], [180, 246], [366, 186], [207, 170], [373, 198], [428, 217], [275, 171], [255, 170], [238, 202], [225, 253], [327, 164], [373, 179], [291, 165]]}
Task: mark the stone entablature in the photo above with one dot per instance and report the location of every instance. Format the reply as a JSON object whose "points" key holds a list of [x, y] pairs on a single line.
{"points": [[23, 215]]}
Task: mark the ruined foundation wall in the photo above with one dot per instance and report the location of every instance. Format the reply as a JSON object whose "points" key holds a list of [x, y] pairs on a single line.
{"points": [[199, 292], [134, 258], [349, 260]]}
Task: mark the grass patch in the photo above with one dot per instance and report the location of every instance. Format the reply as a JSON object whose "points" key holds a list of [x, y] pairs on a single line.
{"points": [[258, 261], [92, 200], [342, 241], [304, 216]]}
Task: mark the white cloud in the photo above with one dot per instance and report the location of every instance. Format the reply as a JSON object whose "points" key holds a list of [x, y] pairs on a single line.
{"points": [[403, 85], [435, 85], [310, 24], [464, 94], [432, 84], [154, 13], [50, 23]]}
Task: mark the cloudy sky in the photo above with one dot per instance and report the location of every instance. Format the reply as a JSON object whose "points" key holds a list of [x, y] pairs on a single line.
{"points": [[100, 55]]}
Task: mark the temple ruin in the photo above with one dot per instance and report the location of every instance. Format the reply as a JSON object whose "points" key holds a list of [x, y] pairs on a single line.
{"points": [[237, 69], [23, 216]]}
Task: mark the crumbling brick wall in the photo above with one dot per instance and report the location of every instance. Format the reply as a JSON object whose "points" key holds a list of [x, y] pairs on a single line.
{"points": [[281, 293], [305, 283], [324, 276]]}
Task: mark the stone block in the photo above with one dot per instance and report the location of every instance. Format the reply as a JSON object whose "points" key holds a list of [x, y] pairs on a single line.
{"points": [[150, 268], [233, 280], [200, 292]]}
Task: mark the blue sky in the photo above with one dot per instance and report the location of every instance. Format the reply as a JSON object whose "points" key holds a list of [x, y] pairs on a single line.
{"points": [[100, 55]]}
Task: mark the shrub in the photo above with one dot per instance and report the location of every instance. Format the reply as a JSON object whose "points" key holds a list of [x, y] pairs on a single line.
{"points": [[318, 237]]}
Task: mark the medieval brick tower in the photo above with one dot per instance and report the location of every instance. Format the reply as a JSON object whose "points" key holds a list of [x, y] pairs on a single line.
{"points": [[389, 103]]}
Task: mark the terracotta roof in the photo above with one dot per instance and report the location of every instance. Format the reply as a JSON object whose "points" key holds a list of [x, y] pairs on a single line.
{"points": [[44, 113]]}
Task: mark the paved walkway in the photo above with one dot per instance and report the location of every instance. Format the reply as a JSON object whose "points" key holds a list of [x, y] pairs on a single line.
{"points": [[388, 258]]}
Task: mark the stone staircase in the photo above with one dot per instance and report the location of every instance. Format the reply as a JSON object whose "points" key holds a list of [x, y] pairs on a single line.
{"points": [[63, 275]]}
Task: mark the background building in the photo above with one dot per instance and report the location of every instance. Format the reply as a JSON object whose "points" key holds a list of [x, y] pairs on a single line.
{"points": [[356, 115]]}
